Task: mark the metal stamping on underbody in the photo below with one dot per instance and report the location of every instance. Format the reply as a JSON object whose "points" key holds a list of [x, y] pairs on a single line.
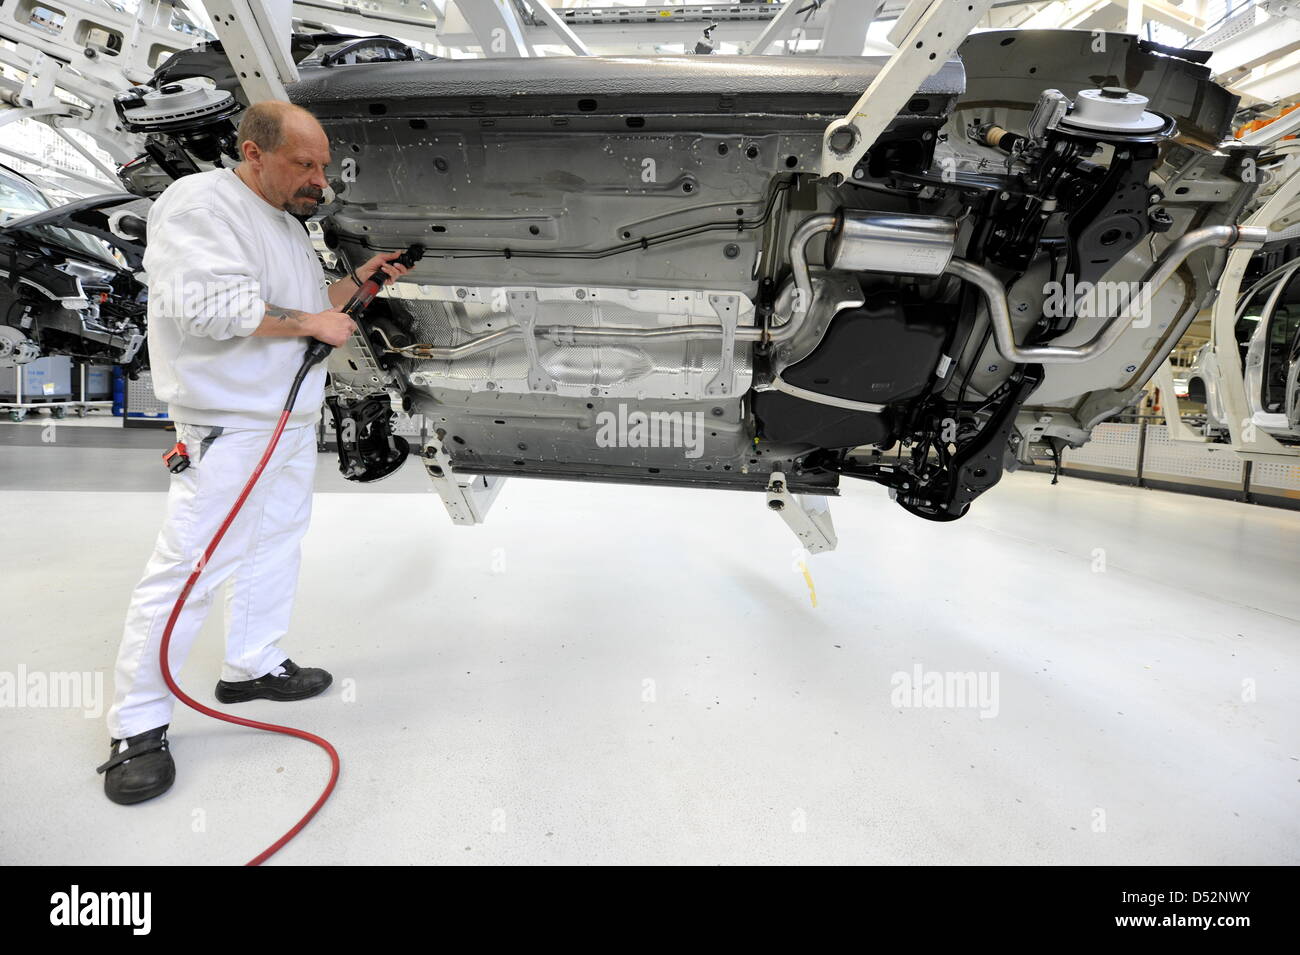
{"points": [[643, 343], [728, 308], [523, 305]]}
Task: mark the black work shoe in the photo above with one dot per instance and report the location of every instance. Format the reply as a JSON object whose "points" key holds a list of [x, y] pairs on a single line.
{"points": [[296, 683], [139, 767]]}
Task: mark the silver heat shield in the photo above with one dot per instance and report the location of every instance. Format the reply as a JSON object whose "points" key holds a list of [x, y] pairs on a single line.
{"points": [[865, 241]]}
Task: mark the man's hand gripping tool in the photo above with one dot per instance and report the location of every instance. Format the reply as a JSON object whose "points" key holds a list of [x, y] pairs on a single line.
{"points": [[362, 298]]}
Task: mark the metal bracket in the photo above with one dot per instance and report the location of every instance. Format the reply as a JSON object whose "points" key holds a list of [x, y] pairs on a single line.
{"points": [[523, 306], [359, 350], [467, 500], [808, 517], [727, 309], [38, 87]]}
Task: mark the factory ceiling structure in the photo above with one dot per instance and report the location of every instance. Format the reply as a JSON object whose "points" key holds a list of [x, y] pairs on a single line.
{"points": [[64, 62]]}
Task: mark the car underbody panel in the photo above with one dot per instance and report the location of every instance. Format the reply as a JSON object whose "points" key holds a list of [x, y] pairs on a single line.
{"points": [[634, 271], [579, 198]]}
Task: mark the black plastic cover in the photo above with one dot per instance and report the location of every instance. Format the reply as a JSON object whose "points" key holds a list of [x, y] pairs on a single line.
{"points": [[883, 352]]}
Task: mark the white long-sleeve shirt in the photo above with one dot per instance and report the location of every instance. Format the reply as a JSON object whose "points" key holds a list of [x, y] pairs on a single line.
{"points": [[217, 255]]}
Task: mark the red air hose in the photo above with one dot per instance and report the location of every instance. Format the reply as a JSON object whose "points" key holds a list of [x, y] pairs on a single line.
{"points": [[216, 714], [315, 352]]}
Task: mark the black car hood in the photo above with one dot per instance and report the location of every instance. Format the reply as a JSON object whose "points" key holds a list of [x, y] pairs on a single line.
{"points": [[90, 216]]}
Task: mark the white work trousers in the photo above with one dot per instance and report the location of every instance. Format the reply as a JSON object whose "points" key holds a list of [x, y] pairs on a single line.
{"points": [[258, 557]]}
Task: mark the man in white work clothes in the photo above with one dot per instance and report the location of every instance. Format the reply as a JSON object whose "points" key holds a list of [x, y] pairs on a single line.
{"points": [[236, 293]]}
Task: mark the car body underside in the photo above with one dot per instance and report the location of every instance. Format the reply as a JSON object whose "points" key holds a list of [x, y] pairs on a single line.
{"points": [[61, 291], [635, 270]]}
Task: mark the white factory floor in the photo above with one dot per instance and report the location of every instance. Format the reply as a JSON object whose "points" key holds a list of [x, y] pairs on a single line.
{"points": [[625, 675]]}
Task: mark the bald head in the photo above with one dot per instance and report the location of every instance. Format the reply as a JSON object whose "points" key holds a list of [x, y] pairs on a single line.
{"points": [[271, 122], [285, 153]]}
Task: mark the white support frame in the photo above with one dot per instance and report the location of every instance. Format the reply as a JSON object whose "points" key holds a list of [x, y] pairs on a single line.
{"points": [[809, 516], [1268, 135], [62, 60], [255, 36], [139, 40], [847, 23], [350, 17], [1178, 431], [36, 99], [468, 497], [497, 26], [778, 28], [51, 170], [1241, 47], [927, 33], [566, 34]]}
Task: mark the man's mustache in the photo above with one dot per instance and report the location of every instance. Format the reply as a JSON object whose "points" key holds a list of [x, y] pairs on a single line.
{"points": [[315, 194]]}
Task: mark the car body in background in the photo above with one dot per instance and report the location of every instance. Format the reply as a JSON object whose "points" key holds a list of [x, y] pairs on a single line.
{"points": [[68, 277], [1267, 333]]}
